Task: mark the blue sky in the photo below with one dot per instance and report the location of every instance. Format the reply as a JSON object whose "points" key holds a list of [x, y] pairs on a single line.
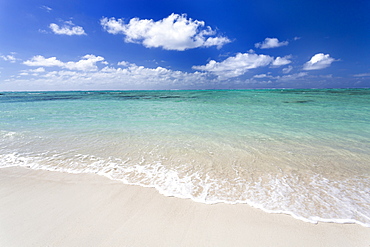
{"points": [[176, 44]]}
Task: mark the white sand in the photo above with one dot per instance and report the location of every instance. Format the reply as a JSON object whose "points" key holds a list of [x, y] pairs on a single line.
{"points": [[41, 208]]}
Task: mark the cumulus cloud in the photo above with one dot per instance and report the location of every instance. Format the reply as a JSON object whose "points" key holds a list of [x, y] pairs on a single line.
{"points": [[42, 61], [176, 32], [67, 29], [280, 61], [236, 66], [87, 63], [318, 61], [270, 43]]}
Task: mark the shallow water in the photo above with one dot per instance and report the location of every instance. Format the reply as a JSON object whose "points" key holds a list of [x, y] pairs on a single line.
{"points": [[301, 152]]}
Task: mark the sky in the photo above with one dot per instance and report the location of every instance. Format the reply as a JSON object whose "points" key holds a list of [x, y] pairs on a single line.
{"points": [[176, 44]]}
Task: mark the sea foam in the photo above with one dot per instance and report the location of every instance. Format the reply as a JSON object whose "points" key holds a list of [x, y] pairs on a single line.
{"points": [[322, 200]]}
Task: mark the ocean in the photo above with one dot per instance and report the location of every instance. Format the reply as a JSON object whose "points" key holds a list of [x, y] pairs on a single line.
{"points": [[305, 153]]}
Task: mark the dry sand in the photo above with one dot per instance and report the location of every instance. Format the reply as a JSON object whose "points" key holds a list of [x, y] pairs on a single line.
{"points": [[42, 208]]}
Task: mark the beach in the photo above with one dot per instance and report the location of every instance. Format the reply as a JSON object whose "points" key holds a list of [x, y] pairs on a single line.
{"points": [[184, 123], [45, 208]]}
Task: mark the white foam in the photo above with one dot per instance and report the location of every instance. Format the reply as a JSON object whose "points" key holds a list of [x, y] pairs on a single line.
{"points": [[343, 202], [8, 134]]}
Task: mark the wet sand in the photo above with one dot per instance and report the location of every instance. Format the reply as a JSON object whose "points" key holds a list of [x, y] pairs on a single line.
{"points": [[43, 208]]}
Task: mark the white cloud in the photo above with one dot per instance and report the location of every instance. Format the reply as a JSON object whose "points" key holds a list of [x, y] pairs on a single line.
{"points": [[280, 61], [42, 61], [124, 64], [89, 72], [270, 43], [43, 31], [293, 77], [46, 8], [362, 75], [114, 26], [34, 72], [262, 76], [38, 70], [216, 41], [287, 69], [67, 29], [236, 66], [131, 77], [318, 61], [87, 63], [176, 32], [326, 76], [84, 74], [9, 58]]}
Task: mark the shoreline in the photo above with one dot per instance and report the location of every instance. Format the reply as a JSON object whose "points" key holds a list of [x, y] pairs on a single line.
{"points": [[46, 208]]}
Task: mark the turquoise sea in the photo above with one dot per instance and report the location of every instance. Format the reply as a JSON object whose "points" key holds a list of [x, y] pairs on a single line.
{"points": [[301, 152]]}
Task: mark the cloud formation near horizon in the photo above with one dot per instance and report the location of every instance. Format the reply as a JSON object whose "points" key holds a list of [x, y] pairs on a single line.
{"points": [[318, 61], [240, 64], [85, 72], [87, 63], [176, 32], [91, 70]]}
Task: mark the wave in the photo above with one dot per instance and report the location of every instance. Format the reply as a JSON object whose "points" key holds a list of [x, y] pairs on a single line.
{"points": [[308, 197]]}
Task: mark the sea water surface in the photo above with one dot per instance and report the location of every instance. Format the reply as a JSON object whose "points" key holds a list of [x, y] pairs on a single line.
{"points": [[301, 152]]}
